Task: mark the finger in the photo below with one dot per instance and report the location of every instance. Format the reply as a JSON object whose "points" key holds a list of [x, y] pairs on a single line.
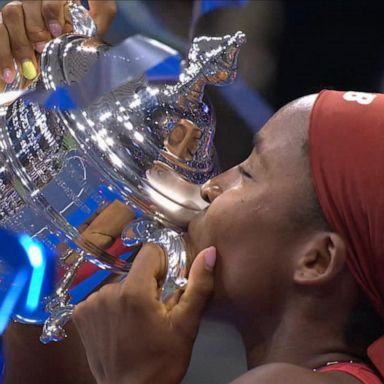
{"points": [[148, 268], [82, 312], [199, 288], [22, 51], [53, 15], [7, 67], [68, 26], [102, 298], [83, 318], [84, 307], [102, 13], [36, 29], [174, 299]]}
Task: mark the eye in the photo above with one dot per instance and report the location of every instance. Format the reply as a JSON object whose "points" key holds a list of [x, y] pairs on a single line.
{"points": [[244, 172]]}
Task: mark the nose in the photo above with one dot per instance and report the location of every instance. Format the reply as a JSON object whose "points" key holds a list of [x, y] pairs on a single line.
{"points": [[210, 190], [219, 184]]}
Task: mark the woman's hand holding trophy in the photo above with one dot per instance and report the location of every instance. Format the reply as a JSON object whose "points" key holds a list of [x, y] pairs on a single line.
{"points": [[27, 26], [167, 329]]}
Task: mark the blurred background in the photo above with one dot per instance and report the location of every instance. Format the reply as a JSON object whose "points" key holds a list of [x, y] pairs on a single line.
{"points": [[295, 47]]}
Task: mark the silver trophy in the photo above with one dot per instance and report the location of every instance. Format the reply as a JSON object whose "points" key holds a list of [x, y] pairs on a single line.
{"points": [[137, 149]]}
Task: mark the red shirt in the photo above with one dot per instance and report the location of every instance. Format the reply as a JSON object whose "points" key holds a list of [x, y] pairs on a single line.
{"points": [[359, 371]]}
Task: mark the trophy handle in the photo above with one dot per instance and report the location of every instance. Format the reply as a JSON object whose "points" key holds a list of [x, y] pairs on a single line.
{"points": [[82, 22], [145, 230], [58, 306]]}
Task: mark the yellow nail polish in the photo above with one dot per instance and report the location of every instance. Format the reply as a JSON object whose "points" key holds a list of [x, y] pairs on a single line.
{"points": [[29, 70]]}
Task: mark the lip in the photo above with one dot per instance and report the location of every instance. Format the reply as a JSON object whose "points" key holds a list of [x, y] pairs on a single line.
{"points": [[204, 210], [195, 233], [198, 217]]}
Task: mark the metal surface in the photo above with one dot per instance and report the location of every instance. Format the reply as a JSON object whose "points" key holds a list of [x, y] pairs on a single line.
{"points": [[148, 147]]}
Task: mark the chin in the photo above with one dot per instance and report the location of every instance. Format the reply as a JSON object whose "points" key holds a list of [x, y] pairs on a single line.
{"points": [[197, 233]]}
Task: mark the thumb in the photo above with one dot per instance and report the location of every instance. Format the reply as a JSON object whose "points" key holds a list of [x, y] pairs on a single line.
{"points": [[199, 288], [102, 13]]}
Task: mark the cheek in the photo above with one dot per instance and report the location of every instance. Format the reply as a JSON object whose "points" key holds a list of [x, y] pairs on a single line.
{"points": [[249, 278], [249, 255], [221, 221], [242, 283], [230, 218], [235, 218]]}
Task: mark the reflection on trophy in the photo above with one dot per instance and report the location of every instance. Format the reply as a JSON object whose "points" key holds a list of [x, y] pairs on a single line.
{"points": [[133, 159]]}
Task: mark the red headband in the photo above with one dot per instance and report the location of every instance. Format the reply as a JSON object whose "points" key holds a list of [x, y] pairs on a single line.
{"points": [[347, 159]]}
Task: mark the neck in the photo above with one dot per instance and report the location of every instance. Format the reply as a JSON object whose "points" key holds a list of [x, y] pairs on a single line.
{"points": [[306, 341]]}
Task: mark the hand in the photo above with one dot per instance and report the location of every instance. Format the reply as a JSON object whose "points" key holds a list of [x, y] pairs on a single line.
{"points": [[131, 336], [26, 26]]}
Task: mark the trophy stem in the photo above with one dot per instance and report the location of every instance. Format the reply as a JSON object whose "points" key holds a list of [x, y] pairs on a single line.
{"points": [[58, 307]]}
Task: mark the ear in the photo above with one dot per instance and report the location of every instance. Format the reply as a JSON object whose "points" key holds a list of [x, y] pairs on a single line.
{"points": [[321, 259]]}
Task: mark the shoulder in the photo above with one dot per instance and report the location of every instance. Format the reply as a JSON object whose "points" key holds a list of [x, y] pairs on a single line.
{"points": [[283, 373]]}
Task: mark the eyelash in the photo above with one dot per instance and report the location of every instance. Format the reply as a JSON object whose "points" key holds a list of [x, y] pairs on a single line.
{"points": [[245, 173]]}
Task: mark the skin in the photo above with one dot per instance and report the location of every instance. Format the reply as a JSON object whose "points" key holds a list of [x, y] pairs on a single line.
{"points": [[274, 279], [169, 327], [252, 204], [249, 221], [23, 38]]}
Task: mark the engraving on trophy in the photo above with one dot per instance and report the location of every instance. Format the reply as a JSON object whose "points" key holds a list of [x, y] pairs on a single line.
{"points": [[137, 146]]}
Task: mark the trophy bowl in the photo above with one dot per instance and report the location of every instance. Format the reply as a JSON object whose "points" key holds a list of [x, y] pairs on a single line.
{"points": [[133, 154]]}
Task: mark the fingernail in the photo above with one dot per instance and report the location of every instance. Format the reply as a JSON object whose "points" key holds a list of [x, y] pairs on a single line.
{"points": [[55, 28], [210, 258], [39, 47], [8, 76], [29, 70]]}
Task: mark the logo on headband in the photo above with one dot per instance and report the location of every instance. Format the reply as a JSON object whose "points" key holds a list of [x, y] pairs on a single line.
{"points": [[359, 97]]}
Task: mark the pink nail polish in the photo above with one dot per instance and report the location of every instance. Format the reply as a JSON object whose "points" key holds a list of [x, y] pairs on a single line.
{"points": [[55, 29], [210, 258], [8, 76]]}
